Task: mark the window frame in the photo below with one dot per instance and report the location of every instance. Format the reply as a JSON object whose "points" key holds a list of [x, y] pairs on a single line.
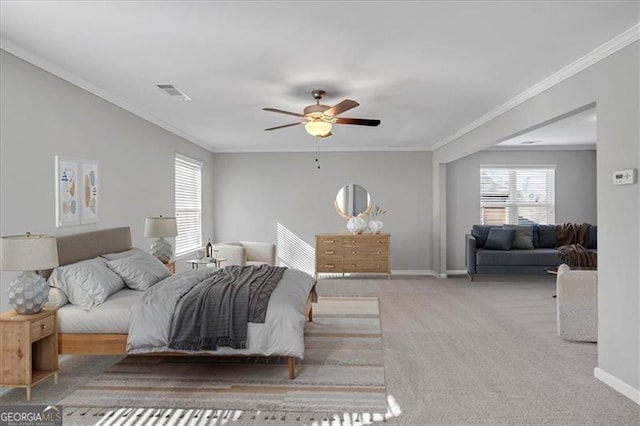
{"points": [[509, 200], [187, 242]]}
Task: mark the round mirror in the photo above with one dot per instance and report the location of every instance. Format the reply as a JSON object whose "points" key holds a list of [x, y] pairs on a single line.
{"points": [[353, 200]]}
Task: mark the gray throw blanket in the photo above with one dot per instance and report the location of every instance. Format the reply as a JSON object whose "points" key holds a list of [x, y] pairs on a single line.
{"points": [[216, 312]]}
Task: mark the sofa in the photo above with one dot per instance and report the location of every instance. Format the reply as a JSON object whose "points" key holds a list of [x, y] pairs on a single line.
{"points": [[524, 249], [577, 300], [245, 253]]}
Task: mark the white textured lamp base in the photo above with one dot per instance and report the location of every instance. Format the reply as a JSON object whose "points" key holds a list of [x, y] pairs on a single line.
{"points": [[162, 249], [28, 293]]}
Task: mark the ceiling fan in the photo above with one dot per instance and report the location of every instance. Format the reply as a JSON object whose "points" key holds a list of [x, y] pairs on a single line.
{"points": [[319, 119]]}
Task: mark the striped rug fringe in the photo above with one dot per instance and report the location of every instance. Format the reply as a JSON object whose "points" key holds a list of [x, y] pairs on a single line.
{"points": [[192, 417]]}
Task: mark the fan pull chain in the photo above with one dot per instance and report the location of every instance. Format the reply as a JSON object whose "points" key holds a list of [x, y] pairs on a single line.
{"points": [[317, 160]]}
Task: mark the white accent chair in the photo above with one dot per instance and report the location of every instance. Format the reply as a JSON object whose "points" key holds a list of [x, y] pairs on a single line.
{"points": [[577, 300], [245, 253]]}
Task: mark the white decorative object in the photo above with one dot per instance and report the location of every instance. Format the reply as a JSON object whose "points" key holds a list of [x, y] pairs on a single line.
{"points": [[161, 227], [375, 226], [28, 253], [356, 225]]}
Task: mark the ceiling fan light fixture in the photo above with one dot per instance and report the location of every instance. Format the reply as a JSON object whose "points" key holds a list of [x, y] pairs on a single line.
{"points": [[318, 128]]}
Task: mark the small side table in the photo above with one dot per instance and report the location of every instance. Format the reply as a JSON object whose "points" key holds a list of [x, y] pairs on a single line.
{"points": [[195, 263], [29, 351]]}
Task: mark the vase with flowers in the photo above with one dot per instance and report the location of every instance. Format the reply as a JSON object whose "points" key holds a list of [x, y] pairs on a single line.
{"points": [[375, 224]]}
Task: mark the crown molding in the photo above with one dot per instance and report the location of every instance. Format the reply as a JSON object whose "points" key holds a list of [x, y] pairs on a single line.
{"points": [[52, 68], [580, 147], [599, 53]]}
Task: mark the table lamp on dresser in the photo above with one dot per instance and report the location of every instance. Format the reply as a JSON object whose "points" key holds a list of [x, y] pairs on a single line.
{"points": [[161, 227], [28, 253]]}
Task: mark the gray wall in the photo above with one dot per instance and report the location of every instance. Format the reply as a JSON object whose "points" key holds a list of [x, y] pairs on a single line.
{"points": [[575, 191], [612, 84], [43, 116], [255, 192]]}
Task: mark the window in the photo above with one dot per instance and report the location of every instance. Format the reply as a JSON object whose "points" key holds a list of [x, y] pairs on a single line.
{"points": [[521, 195], [188, 204]]}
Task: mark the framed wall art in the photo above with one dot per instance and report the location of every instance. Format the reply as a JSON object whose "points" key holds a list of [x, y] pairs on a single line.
{"points": [[67, 196], [77, 191], [90, 190]]}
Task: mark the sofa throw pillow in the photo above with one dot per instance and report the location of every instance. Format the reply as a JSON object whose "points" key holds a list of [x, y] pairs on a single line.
{"points": [[536, 239], [140, 270], [480, 233], [500, 239], [547, 236], [523, 239]]}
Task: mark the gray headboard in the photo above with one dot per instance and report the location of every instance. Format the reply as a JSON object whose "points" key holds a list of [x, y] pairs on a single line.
{"points": [[76, 247]]}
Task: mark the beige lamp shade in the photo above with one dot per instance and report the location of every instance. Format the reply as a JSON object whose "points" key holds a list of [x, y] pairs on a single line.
{"points": [[28, 253], [158, 227]]}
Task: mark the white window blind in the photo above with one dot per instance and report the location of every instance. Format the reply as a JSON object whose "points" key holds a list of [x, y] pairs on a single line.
{"points": [[517, 195], [188, 204]]}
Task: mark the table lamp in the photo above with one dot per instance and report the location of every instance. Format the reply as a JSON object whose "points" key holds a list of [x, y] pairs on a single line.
{"points": [[28, 253], [161, 227]]}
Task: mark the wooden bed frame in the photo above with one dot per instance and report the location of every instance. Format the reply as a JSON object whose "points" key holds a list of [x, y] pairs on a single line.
{"points": [[77, 247]]}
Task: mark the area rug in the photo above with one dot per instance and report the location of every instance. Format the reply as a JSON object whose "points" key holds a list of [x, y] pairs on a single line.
{"points": [[342, 372]]}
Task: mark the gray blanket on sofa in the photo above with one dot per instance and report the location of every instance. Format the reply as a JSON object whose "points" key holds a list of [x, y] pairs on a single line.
{"points": [[216, 311]]}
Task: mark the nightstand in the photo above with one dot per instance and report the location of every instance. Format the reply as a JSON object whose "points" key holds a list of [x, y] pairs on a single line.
{"points": [[171, 266], [29, 348]]}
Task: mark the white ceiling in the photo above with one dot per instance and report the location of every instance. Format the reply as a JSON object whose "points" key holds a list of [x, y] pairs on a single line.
{"points": [[426, 69], [576, 130]]}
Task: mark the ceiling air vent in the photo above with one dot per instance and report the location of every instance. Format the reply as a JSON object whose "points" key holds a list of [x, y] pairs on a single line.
{"points": [[176, 94], [528, 142]]}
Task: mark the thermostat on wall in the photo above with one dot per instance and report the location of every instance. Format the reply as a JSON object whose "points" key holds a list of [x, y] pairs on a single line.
{"points": [[625, 177]]}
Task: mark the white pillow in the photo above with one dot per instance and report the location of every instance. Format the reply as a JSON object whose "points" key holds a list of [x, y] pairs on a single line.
{"points": [[140, 270], [121, 254], [57, 298], [87, 283]]}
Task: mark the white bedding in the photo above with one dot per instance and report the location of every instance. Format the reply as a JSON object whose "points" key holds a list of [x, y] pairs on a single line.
{"points": [[281, 334], [111, 317]]}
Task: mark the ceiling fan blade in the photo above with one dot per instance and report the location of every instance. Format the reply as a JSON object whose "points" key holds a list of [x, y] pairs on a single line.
{"points": [[341, 107], [283, 112], [283, 126], [358, 121]]}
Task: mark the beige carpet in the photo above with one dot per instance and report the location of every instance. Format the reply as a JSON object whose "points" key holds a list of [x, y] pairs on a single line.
{"points": [[343, 371]]}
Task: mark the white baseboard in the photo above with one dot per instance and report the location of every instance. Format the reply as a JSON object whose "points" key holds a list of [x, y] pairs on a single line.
{"points": [[415, 272], [457, 272], [412, 272], [617, 384]]}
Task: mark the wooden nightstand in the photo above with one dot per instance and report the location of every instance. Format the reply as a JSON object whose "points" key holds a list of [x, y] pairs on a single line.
{"points": [[171, 266], [29, 348]]}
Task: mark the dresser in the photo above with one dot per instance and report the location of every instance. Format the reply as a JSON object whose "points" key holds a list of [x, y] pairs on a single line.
{"points": [[358, 253]]}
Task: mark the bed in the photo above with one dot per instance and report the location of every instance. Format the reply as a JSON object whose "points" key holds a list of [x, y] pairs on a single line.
{"points": [[108, 328]]}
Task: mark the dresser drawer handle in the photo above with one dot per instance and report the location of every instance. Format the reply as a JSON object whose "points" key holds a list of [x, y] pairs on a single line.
{"points": [[353, 252], [329, 241], [380, 241], [329, 252], [329, 266], [43, 326], [378, 252], [353, 265]]}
